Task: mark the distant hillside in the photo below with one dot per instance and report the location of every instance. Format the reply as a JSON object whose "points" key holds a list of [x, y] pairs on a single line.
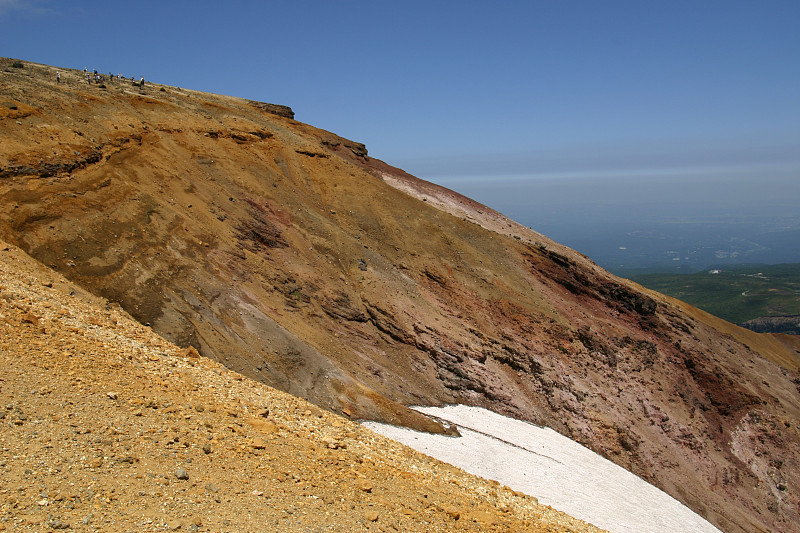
{"points": [[736, 293], [293, 257]]}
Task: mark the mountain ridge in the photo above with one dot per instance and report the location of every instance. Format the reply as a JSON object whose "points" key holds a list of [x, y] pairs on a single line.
{"points": [[292, 256]]}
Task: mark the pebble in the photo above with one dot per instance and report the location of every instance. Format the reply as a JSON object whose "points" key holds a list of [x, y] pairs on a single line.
{"points": [[258, 443], [182, 474], [364, 485], [264, 426]]}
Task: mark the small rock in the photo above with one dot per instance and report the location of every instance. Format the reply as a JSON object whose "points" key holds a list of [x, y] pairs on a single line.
{"points": [[182, 474], [30, 318], [190, 352], [332, 442], [364, 485], [452, 512], [372, 516], [483, 517], [58, 524], [258, 443], [264, 426], [112, 395]]}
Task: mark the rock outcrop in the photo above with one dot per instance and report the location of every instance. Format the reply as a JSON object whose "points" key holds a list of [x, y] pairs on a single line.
{"points": [[275, 109], [788, 325]]}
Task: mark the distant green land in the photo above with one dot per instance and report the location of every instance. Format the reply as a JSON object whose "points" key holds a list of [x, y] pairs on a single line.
{"points": [[735, 293]]}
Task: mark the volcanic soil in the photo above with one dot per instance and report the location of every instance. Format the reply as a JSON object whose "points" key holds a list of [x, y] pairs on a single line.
{"points": [[105, 426]]}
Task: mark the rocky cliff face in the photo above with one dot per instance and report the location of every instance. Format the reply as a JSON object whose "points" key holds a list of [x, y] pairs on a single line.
{"points": [[291, 256]]}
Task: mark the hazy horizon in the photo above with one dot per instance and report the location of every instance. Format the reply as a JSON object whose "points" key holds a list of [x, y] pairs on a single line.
{"points": [[668, 223]]}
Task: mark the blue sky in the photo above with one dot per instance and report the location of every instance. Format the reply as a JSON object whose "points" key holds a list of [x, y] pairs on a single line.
{"points": [[469, 93]]}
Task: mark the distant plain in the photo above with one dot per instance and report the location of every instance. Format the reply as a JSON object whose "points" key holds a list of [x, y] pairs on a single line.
{"points": [[738, 293]]}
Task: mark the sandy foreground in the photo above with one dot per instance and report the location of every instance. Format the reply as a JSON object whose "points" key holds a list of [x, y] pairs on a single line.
{"points": [[558, 471]]}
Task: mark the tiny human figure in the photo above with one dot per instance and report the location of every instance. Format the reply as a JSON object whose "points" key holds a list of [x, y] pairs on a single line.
{"points": [[58, 77], [119, 76], [141, 82], [88, 78]]}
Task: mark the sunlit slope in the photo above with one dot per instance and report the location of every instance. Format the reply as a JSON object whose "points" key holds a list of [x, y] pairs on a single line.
{"points": [[290, 255], [140, 435]]}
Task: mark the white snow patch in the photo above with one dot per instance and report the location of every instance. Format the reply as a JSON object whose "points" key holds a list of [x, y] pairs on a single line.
{"points": [[558, 471]]}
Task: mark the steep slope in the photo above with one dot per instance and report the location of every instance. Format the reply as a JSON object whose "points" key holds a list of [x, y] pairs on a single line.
{"points": [[104, 426], [291, 256]]}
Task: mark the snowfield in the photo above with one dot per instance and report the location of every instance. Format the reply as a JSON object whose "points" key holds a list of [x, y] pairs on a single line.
{"points": [[556, 470]]}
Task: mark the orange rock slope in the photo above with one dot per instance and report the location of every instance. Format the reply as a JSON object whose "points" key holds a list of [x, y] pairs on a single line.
{"points": [[289, 255]]}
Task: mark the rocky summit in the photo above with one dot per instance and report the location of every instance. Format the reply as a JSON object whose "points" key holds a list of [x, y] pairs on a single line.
{"points": [[292, 257]]}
